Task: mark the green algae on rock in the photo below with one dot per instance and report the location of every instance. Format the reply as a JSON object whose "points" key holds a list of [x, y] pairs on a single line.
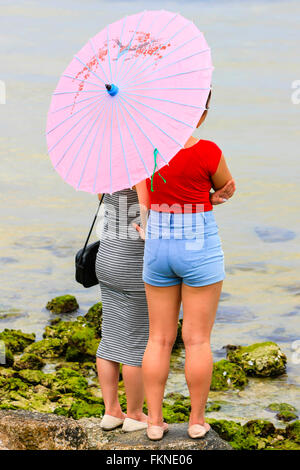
{"points": [[257, 434], [85, 368], [63, 304], [63, 329], [34, 390], [233, 433], [285, 412], [48, 348], [29, 361], [177, 407], [259, 359], [227, 375], [79, 338], [292, 431], [81, 409], [260, 427], [16, 340], [94, 317], [69, 381], [82, 345]]}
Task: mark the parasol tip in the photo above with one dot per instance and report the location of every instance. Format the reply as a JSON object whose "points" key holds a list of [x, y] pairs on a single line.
{"points": [[108, 86]]}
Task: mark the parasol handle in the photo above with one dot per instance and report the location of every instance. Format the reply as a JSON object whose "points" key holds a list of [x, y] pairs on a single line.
{"points": [[112, 89]]}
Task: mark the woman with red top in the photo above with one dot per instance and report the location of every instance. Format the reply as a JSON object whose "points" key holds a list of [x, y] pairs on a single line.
{"points": [[183, 263]]}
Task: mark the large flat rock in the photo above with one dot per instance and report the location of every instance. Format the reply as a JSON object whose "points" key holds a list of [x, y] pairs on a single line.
{"points": [[176, 439], [22, 430]]}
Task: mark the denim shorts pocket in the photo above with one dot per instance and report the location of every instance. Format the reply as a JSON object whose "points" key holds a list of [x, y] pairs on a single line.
{"points": [[151, 251], [192, 252]]}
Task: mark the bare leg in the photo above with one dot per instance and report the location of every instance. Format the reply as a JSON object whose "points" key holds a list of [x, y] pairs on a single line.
{"points": [[108, 374], [133, 381], [199, 310], [163, 307]]}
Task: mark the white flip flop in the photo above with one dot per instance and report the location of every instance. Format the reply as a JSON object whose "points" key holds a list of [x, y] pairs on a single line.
{"points": [[130, 425], [109, 422]]}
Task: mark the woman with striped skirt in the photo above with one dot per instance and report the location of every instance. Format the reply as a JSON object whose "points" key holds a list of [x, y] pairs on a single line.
{"points": [[119, 266]]}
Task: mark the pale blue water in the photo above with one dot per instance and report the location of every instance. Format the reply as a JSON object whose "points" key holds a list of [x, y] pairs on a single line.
{"points": [[252, 118]]}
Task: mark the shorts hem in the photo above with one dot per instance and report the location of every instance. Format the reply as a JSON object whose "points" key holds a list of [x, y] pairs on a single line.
{"points": [[158, 284], [206, 282]]}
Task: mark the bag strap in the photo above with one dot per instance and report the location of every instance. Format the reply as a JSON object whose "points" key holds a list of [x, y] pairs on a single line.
{"points": [[92, 226]]}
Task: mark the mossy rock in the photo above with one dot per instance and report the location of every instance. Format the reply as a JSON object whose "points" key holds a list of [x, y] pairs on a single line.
{"points": [[259, 359], [83, 405], [260, 428], [29, 361], [34, 399], [63, 329], [81, 409], [227, 375], [212, 406], [16, 340], [94, 317], [36, 377], [236, 435], [85, 368], [63, 304], [257, 434], [48, 348], [14, 383], [285, 444], [80, 339], [285, 412], [6, 373], [82, 345], [178, 406], [175, 413], [69, 381], [292, 431], [34, 390]]}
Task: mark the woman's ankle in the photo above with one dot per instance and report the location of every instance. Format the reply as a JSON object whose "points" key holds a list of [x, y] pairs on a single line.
{"points": [[116, 412], [196, 420], [137, 415], [155, 421]]}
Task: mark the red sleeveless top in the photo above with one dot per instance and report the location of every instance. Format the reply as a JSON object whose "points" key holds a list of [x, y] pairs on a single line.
{"points": [[188, 179]]}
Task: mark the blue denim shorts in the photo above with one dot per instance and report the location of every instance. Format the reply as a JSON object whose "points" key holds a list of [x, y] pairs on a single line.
{"points": [[183, 248]]}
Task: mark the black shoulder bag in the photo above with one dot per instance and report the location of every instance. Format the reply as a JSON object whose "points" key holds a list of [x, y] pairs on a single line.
{"points": [[85, 259]]}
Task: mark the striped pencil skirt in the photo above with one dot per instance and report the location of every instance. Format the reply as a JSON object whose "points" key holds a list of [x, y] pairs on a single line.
{"points": [[119, 267]]}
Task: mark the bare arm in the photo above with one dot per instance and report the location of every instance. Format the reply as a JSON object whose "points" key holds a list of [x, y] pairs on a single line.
{"points": [[144, 201], [222, 175], [222, 195], [99, 196]]}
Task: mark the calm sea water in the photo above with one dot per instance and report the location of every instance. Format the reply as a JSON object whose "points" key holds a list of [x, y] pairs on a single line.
{"points": [[44, 221]]}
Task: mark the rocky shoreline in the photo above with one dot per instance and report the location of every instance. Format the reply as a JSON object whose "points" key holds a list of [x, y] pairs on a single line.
{"points": [[57, 378]]}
